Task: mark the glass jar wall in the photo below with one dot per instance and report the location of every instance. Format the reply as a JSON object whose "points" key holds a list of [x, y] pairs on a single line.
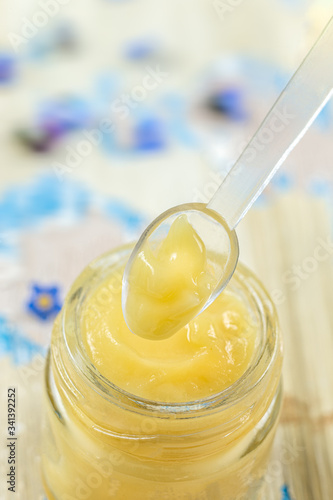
{"points": [[102, 442]]}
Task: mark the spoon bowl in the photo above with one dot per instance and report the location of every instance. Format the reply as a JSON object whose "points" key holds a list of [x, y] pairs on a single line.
{"points": [[221, 252]]}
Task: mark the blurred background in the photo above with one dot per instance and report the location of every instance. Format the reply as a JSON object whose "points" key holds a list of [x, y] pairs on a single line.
{"points": [[112, 111], [65, 67]]}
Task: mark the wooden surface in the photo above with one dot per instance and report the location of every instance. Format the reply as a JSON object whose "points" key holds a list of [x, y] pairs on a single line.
{"points": [[280, 242]]}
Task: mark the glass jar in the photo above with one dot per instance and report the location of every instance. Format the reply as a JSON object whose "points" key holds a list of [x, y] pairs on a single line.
{"points": [[101, 442]]}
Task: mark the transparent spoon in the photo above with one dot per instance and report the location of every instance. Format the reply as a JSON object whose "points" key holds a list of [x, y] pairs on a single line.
{"points": [[293, 113]]}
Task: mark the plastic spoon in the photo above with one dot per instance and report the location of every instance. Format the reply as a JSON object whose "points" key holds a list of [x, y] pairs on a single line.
{"points": [[293, 113]]}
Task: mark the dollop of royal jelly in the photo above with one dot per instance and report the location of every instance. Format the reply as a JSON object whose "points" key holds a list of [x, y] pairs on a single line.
{"points": [[169, 284], [201, 359]]}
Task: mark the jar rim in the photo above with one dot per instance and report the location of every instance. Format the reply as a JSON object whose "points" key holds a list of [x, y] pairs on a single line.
{"points": [[265, 356]]}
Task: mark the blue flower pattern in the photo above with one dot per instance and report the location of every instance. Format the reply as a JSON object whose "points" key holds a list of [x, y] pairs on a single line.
{"points": [[285, 493], [44, 302]]}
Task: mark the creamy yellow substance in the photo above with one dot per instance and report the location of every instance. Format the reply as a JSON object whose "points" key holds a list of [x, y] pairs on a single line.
{"points": [[168, 285], [202, 358]]}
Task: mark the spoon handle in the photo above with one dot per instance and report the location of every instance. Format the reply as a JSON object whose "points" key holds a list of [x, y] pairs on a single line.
{"points": [[293, 113]]}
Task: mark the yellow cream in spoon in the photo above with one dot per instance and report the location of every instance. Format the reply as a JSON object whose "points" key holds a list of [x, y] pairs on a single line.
{"points": [[170, 284]]}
